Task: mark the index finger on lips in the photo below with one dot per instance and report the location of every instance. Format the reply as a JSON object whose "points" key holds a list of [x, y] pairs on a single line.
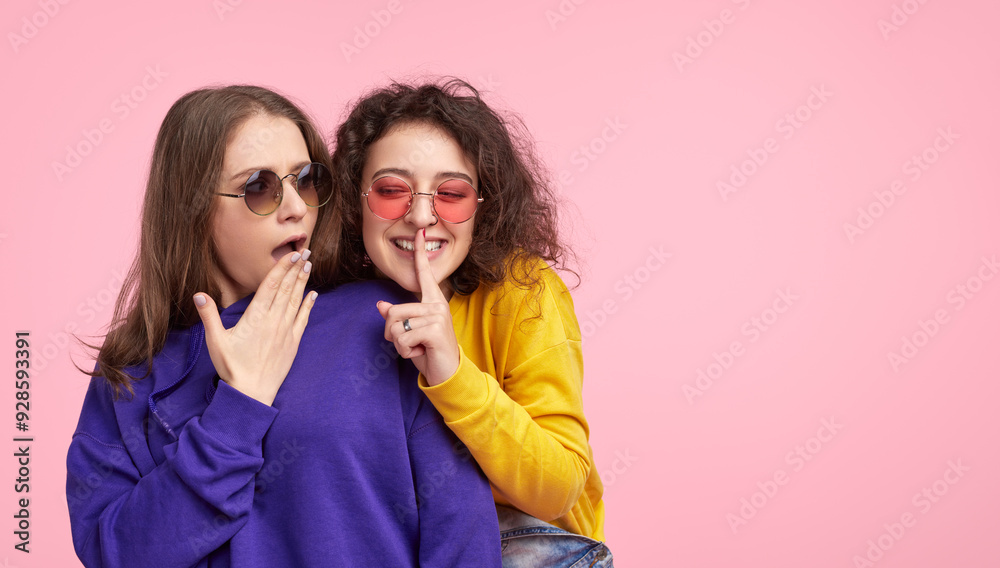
{"points": [[430, 291]]}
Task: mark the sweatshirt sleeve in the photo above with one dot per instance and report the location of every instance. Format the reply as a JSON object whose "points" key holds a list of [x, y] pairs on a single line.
{"points": [[457, 517], [183, 509], [531, 436]]}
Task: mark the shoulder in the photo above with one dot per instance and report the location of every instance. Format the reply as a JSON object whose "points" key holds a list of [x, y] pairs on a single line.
{"points": [[165, 368], [358, 299], [529, 281], [533, 294], [345, 321], [366, 289]]}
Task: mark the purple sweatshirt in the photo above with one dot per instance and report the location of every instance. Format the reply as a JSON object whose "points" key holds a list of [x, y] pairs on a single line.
{"points": [[351, 466]]}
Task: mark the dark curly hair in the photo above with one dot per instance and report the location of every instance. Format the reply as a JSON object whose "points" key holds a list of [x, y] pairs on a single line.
{"points": [[517, 220]]}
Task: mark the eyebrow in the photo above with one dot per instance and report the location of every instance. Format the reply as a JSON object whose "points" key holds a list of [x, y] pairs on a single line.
{"points": [[408, 173], [246, 173]]}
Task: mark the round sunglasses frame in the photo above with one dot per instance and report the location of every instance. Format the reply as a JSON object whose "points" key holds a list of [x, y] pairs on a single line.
{"points": [[479, 199], [281, 185]]}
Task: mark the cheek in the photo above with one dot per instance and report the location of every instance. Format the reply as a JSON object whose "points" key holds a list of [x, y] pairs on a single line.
{"points": [[371, 237], [372, 229], [312, 219], [464, 238], [233, 252], [235, 243]]}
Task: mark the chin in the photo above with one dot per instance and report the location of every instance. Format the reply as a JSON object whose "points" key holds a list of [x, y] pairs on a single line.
{"points": [[410, 285]]}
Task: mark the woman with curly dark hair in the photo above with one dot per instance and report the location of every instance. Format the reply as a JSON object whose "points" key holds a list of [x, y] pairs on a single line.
{"points": [[445, 196]]}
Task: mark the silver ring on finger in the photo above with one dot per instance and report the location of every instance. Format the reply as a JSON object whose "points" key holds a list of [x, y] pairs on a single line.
{"points": [[406, 325]]}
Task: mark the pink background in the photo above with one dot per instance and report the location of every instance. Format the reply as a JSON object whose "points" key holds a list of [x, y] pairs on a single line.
{"points": [[814, 377]]}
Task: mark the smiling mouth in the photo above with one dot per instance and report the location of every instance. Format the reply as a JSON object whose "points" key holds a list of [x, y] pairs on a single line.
{"points": [[407, 245]]}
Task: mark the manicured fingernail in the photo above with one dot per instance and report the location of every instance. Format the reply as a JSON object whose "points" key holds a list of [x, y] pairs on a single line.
{"points": [[307, 267], [306, 253], [296, 257], [313, 295], [199, 300], [423, 233]]}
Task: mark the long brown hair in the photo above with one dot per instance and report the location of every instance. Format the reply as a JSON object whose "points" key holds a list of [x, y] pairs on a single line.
{"points": [[176, 254], [516, 221]]}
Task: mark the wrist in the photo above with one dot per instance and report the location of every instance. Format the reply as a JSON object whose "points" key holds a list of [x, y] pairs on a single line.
{"points": [[261, 395], [441, 375]]}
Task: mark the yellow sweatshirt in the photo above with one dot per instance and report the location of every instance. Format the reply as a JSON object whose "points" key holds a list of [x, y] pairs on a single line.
{"points": [[516, 401]]}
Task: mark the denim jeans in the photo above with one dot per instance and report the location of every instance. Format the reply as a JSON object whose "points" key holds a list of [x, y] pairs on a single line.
{"points": [[527, 542]]}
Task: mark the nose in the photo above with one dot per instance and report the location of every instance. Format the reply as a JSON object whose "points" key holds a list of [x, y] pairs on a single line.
{"points": [[421, 213], [292, 206]]}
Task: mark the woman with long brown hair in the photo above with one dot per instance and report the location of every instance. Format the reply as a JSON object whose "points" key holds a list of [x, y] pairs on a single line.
{"points": [[219, 428]]}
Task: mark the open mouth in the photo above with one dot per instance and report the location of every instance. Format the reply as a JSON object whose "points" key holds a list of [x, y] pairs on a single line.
{"points": [[291, 244], [407, 245]]}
